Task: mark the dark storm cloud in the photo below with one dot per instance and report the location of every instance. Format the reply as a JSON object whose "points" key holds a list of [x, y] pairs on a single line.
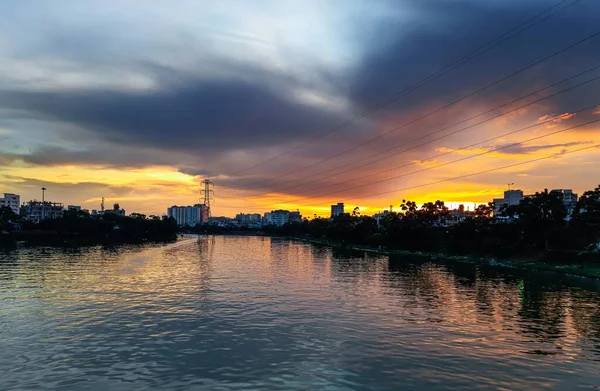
{"points": [[202, 115], [452, 29], [115, 156], [192, 114]]}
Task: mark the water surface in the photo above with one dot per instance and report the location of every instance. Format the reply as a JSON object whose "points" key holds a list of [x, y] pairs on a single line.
{"points": [[247, 313]]}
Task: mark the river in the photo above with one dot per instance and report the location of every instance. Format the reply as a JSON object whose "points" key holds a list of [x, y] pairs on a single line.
{"points": [[251, 313]]}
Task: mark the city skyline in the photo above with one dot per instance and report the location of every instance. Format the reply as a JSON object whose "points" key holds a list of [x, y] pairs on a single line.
{"points": [[279, 103]]}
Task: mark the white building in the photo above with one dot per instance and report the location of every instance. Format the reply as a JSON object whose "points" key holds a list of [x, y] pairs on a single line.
{"points": [[278, 217], [13, 201], [568, 198], [281, 217], [511, 198], [37, 211], [337, 210], [189, 215]]}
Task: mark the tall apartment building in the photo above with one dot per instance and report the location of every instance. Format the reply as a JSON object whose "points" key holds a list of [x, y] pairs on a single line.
{"points": [[189, 215], [337, 210], [13, 201]]}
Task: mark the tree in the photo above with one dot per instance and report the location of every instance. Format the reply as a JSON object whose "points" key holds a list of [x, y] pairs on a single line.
{"points": [[483, 211], [7, 215], [586, 219], [7, 218], [433, 212], [409, 208], [541, 217], [509, 211]]}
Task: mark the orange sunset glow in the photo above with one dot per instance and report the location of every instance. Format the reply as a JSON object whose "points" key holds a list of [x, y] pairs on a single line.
{"points": [[337, 120]]}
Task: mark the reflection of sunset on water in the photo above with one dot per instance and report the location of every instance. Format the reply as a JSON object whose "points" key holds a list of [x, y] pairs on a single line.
{"points": [[289, 302]]}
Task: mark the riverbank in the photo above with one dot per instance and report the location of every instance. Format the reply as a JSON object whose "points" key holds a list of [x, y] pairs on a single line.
{"points": [[582, 264], [55, 239]]}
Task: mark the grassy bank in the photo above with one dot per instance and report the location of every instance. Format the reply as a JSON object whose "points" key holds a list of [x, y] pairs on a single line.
{"points": [[584, 264]]}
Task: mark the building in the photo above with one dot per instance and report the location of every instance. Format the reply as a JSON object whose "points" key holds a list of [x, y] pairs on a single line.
{"points": [[244, 219], [73, 208], [189, 215], [511, 198], [281, 217], [337, 210], [115, 210], [222, 221], [37, 211], [379, 216], [568, 198], [295, 217], [13, 201]]}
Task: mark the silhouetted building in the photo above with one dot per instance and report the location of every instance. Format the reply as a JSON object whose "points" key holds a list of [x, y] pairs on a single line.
{"points": [[337, 210], [116, 210], [13, 201], [511, 198], [295, 217]]}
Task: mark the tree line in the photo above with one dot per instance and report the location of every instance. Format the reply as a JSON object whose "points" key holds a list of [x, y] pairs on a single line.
{"points": [[539, 223], [78, 227]]}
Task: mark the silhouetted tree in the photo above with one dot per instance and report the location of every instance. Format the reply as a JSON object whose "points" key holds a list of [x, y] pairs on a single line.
{"points": [[541, 218]]}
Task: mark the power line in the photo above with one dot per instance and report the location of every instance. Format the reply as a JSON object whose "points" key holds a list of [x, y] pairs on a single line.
{"points": [[467, 175], [450, 152], [468, 157], [448, 68], [458, 160], [438, 131], [589, 37]]}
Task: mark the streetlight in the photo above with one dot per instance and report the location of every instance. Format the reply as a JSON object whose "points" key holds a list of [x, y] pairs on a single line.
{"points": [[43, 203], [509, 185]]}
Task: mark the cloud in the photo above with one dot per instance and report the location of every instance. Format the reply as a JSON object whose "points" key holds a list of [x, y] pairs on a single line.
{"points": [[212, 90], [522, 149], [556, 118]]}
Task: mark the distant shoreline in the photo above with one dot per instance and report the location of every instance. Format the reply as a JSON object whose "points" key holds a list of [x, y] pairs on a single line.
{"points": [[53, 239], [583, 264]]}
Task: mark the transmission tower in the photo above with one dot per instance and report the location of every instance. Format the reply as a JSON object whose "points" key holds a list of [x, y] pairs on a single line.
{"points": [[208, 193]]}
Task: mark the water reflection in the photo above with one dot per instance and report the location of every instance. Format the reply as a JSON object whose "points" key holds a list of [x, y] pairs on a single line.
{"points": [[260, 313]]}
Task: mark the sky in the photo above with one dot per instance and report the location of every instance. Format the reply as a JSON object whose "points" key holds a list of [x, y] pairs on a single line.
{"points": [[297, 104]]}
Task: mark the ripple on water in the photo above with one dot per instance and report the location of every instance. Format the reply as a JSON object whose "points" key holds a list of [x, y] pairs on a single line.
{"points": [[235, 313]]}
